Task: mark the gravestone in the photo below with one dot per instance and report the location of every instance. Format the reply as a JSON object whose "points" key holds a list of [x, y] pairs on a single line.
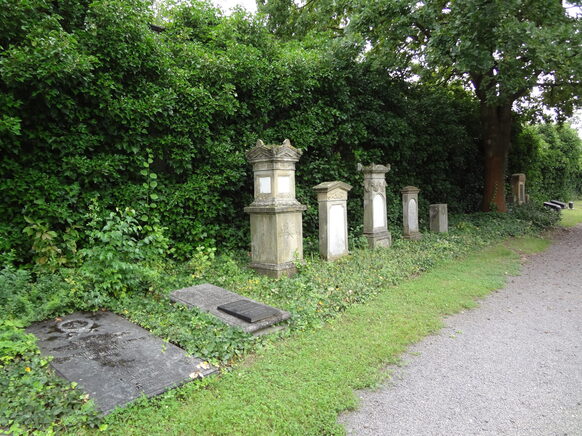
{"points": [[276, 216], [518, 188], [232, 309], [114, 360], [439, 218], [410, 212], [333, 219], [375, 218]]}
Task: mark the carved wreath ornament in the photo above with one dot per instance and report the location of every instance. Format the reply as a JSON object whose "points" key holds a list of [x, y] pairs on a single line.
{"points": [[374, 186]]}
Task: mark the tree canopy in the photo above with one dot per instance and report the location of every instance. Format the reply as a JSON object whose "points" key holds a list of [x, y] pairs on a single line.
{"points": [[508, 52]]}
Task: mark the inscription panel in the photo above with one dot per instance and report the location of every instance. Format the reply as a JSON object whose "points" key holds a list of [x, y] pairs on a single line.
{"points": [[412, 215], [248, 311], [264, 185], [114, 360], [284, 183], [378, 212], [337, 230]]}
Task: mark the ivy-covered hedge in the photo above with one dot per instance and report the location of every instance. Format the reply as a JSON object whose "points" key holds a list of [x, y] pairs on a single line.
{"points": [[100, 112], [98, 108], [551, 157]]}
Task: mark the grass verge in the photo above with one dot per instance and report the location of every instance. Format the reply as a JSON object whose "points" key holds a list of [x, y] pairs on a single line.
{"points": [[300, 385], [571, 217]]}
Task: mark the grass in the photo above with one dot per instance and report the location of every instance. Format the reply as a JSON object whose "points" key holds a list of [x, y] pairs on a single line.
{"points": [[299, 386], [571, 217]]}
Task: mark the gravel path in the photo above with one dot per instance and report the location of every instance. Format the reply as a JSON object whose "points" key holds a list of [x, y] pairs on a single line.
{"points": [[513, 366]]}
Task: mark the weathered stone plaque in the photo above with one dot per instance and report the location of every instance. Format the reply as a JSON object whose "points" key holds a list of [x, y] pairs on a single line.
{"points": [[211, 299], [248, 311], [114, 360]]}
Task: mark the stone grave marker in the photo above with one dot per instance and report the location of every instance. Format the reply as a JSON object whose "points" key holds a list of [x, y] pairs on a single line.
{"points": [[375, 216], [114, 360], [439, 218], [333, 219], [410, 212], [518, 188], [233, 309], [276, 215]]}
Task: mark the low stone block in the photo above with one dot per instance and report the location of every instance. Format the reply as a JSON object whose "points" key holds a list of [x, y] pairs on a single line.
{"points": [[114, 360], [252, 317], [439, 218]]}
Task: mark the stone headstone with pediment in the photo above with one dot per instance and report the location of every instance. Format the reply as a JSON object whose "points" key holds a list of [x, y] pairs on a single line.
{"points": [[276, 216], [333, 219], [410, 212], [114, 360]]}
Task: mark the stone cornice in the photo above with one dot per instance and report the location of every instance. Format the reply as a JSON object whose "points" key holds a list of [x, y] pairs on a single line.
{"points": [[284, 152]]}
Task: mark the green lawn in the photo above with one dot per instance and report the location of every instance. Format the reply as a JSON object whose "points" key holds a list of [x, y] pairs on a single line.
{"points": [[572, 217], [299, 386]]}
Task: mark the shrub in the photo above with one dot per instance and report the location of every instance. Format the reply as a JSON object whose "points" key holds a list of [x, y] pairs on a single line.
{"points": [[539, 216], [120, 255]]}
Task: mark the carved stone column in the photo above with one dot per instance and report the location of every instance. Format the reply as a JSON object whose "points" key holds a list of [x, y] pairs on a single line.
{"points": [[276, 216], [375, 216], [333, 219]]}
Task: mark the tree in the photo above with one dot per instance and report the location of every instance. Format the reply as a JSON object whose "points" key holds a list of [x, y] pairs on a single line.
{"points": [[509, 52]]}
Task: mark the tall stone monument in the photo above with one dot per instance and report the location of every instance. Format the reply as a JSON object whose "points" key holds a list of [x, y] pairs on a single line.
{"points": [[518, 188], [439, 218], [375, 218], [276, 216], [333, 219], [410, 212]]}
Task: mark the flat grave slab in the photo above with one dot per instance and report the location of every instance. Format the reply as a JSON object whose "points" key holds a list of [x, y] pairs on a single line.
{"points": [[231, 308], [114, 360]]}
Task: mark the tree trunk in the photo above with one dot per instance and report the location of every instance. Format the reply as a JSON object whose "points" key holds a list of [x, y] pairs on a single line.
{"points": [[496, 124]]}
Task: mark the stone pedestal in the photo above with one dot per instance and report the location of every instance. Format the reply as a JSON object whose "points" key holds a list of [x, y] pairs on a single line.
{"points": [[375, 218], [276, 216], [333, 219], [518, 188], [439, 218], [410, 212]]}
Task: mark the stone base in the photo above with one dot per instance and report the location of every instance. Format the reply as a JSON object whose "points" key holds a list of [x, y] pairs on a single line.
{"points": [[331, 258], [414, 236], [376, 240], [276, 271]]}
